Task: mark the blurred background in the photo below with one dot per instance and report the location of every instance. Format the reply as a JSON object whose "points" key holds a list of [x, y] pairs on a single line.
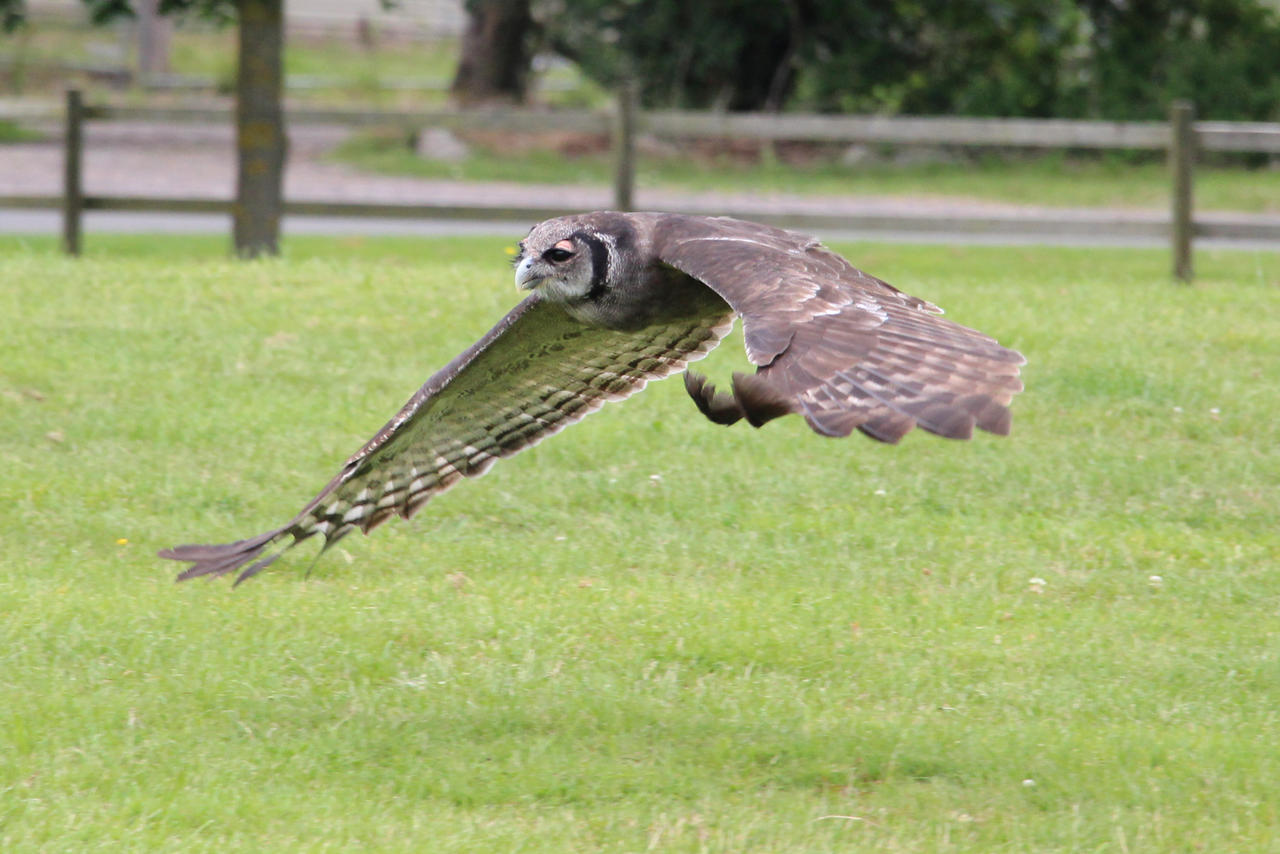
{"points": [[1047, 121]]}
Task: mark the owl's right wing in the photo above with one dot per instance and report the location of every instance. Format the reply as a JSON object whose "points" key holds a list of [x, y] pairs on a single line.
{"points": [[536, 372]]}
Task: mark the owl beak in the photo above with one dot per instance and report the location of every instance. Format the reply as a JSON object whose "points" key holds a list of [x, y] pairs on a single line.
{"points": [[526, 278]]}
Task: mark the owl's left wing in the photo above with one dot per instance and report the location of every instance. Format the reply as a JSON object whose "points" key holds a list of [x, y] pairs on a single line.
{"points": [[536, 372], [834, 344]]}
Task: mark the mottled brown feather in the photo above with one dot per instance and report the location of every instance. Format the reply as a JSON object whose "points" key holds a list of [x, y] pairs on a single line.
{"points": [[843, 348]]}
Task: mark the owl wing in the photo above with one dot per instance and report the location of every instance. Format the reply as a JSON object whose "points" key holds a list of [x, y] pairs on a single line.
{"points": [[536, 372], [834, 344]]}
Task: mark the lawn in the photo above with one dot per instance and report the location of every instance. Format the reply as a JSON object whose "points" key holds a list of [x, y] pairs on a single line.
{"points": [[649, 633], [1054, 179]]}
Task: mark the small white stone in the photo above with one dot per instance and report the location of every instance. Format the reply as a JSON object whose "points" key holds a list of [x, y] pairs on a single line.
{"points": [[441, 144], [859, 155]]}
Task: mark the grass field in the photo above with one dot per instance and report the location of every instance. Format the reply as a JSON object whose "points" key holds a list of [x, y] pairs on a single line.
{"points": [[1052, 179], [649, 633]]}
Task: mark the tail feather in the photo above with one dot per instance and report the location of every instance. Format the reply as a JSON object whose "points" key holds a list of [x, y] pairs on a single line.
{"points": [[215, 560]]}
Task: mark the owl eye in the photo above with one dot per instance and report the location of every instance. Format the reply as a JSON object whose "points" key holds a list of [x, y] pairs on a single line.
{"points": [[556, 254]]}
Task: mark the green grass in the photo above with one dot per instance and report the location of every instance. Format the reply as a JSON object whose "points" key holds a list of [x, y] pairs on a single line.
{"points": [[1051, 179], [780, 643], [343, 64], [13, 132]]}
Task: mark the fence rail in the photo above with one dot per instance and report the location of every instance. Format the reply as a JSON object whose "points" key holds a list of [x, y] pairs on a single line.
{"points": [[1261, 137], [1182, 138]]}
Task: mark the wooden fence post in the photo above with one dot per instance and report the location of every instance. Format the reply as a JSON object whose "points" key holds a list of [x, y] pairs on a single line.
{"points": [[260, 129], [624, 143], [72, 189], [1182, 156]]}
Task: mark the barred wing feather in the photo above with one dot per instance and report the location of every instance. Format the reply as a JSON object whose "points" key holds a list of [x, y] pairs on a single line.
{"points": [[536, 372]]}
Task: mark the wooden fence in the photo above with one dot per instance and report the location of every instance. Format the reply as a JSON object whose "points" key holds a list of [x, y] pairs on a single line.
{"points": [[1181, 137]]}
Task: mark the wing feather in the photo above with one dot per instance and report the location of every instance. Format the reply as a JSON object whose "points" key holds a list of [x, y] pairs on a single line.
{"points": [[834, 344], [535, 373]]}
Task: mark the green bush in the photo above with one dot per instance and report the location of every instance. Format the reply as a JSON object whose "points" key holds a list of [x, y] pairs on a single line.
{"points": [[1070, 58]]}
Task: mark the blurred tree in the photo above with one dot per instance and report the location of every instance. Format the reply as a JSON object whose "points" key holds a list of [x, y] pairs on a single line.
{"points": [[1106, 58], [734, 54], [999, 56], [972, 57], [1222, 54], [497, 51], [155, 34], [260, 139]]}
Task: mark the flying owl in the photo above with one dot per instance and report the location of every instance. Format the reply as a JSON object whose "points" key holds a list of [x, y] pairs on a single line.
{"points": [[619, 299]]}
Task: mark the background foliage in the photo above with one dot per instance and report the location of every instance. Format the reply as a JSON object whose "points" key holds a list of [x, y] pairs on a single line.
{"points": [[1111, 59], [1068, 58]]}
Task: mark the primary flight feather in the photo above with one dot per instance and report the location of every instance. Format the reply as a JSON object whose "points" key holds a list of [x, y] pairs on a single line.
{"points": [[620, 299]]}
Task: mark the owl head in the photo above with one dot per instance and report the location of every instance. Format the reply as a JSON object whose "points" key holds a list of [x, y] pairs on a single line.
{"points": [[573, 259]]}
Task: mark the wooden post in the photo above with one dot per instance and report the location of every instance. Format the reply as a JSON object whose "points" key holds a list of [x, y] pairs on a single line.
{"points": [[72, 190], [1182, 156], [624, 143], [260, 142]]}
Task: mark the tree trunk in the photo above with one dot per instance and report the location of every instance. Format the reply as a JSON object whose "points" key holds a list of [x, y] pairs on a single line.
{"points": [[260, 142], [155, 35], [495, 56]]}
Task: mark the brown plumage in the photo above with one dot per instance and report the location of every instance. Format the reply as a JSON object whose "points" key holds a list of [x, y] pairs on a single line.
{"points": [[622, 299]]}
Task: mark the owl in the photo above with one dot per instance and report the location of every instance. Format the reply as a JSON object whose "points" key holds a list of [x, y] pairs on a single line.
{"points": [[619, 299]]}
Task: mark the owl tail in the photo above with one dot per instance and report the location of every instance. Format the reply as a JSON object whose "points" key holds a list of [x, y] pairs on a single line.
{"points": [[218, 560]]}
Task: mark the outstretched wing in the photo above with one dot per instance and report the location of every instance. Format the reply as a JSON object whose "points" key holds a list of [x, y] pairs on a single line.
{"points": [[834, 344], [536, 372]]}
